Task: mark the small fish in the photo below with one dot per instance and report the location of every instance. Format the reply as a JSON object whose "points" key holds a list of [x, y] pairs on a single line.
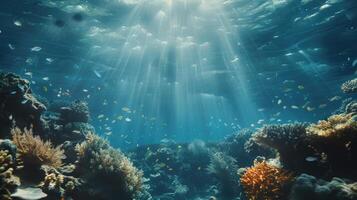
{"points": [[127, 119], [46, 78], [45, 89], [322, 106], [11, 47], [36, 49], [10, 117], [235, 60], [85, 90], [279, 101], [108, 133], [17, 23], [261, 109], [13, 92], [311, 159], [310, 108], [76, 131], [294, 107], [28, 73], [24, 101], [97, 74], [335, 98], [49, 60], [354, 63], [100, 116], [301, 87], [126, 109]]}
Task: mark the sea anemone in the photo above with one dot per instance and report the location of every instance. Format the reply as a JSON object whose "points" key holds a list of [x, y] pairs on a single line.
{"points": [[265, 181], [34, 152], [99, 162], [349, 86]]}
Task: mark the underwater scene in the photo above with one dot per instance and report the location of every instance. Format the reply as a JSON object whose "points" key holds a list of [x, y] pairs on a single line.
{"points": [[178, 100]]}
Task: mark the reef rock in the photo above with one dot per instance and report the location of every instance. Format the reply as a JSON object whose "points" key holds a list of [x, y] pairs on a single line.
{"points": [[17, 103], [308, 187]]}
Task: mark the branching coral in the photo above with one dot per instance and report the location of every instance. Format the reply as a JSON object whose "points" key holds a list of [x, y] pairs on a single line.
{"points": [[8, 182], [34, 152], [56, 185], [264, 181], [99, 162], [349, 86]]}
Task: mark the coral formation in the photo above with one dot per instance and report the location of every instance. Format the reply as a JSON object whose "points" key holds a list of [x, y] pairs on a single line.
{"points": [[224, 168], [265, 181], [18, 103], [288, 139], [8, 182], [336, 126], [349, 86], [336, 139], [240, 147], [58, 185], [308, 187], [77, 111], [104, 167], [34, 152]]}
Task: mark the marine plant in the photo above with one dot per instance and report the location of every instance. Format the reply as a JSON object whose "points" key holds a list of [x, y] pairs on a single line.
{"points": [[34, 152], [98, 162], [349, 86], [265, 181]]}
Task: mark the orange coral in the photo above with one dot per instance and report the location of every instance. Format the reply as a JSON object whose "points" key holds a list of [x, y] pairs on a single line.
{"points": [[35, 152], [334, 126], [265, 182]]}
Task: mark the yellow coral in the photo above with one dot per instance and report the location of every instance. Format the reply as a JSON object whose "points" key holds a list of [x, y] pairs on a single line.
{"points": [[8, 182], [35, 152], [334, 126], [265, 182]]}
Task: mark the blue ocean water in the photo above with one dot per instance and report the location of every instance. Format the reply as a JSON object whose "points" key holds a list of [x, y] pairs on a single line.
{"points": [[183, 69]]}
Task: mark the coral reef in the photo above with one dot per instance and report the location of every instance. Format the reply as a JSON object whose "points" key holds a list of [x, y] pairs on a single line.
{"points": [[77, 111], [224, 168], [336, 139], [34, 152], [349, 86], [289, 139], [241, 148], [265, 181], [8, 182], [18, 103], [57, 185], [104, 167], [308, 187]]}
